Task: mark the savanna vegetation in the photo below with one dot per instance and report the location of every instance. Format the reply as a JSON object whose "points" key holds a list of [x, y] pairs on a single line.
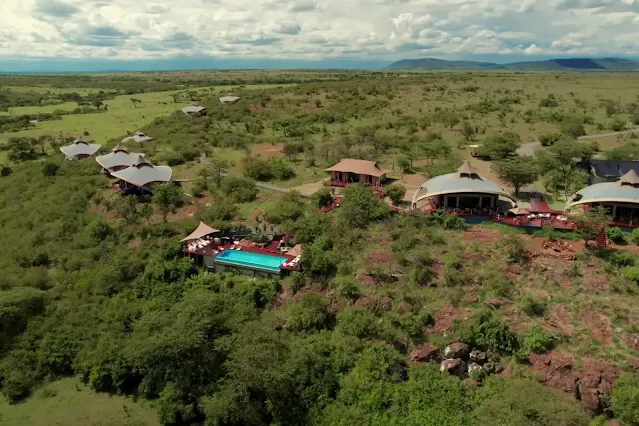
{"points": [[96, 297]]}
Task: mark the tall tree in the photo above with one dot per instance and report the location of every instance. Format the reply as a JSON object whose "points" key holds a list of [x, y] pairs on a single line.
{"points": [[517, 171], [218, 169], [167, 197], [559, 165]]}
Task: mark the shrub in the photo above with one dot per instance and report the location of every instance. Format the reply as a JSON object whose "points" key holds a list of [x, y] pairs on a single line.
{"points": [[531, 306], [50, 169], [322, 198], [615, 234], [240, 190], [634, 236], [489, 332], [631, 274], [536, 339], [573, 127], [622, 258], [357, 322], [312, 312], [617, 125], [549, 139], [625, 398], [395, 192]]}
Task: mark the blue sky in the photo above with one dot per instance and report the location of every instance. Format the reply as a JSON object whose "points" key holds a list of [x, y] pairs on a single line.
{"points": [[98, 35]]}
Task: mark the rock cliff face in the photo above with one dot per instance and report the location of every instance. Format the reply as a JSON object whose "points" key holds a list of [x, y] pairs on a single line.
{"points": [[592, 385]]}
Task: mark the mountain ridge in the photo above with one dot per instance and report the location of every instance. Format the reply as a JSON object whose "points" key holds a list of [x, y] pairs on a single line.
{"points": [[557, 64]]}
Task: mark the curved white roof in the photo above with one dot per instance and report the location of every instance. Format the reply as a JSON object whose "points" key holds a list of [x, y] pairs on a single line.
{"points": [[138, 136], [465, 180], [119, 157], [79, 147], [141, 173], [625, 190], [193, 109]]}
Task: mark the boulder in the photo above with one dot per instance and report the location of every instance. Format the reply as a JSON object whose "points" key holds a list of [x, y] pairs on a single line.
{"points": [[385, 304], [478, 357], [633, 363], [474, 368], [497, 302], [424, 353], [596, 384], [457, 350], [455, 367]]}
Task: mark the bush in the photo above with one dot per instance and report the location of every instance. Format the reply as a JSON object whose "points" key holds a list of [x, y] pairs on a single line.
{"points": [[357, 322], [617, 125], [312, 312], [615, 234], [573, 127], [549, 139], [395, 192], [625, 398], [50, 169], [403, 162], [489, 332], [622, 258], [631, 274], [322, 198], [634, 236], [240, 190], [289, 206], [537, 340]]}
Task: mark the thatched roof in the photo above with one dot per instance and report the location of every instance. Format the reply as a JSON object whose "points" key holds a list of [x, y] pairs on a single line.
{"points": [[360, 167]]}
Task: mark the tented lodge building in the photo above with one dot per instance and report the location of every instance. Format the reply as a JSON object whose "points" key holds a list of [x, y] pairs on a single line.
{"points": [[464, 191], [620, 199]]}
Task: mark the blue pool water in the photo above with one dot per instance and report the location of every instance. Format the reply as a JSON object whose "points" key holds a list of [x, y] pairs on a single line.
{"points": [[251, 260]]}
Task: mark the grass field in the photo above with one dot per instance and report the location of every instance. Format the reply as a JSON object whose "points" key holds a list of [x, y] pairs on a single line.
{"points": [[122, 116], [68, 402]]}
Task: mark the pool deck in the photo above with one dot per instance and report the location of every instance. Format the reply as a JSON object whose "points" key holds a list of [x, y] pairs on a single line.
{"points": [[248, 246]]}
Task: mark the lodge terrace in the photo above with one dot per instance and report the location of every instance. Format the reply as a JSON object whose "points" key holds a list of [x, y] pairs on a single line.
{"points": [[222, 251], [464, 192], [620, 199]]}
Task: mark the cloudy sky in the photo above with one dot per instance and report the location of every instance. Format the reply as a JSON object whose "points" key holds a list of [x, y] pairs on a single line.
{"points": [[367, 32]]}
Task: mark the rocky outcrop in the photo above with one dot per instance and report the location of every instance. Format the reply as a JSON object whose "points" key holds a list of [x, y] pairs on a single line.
{"points": [[497, 302], [454, 366], [592, 386], [555, 370], [595, 384], [424, 353], [457, 350]]}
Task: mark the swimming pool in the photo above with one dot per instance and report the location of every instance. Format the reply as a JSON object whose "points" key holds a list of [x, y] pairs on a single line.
{"points": [[250, 260]]}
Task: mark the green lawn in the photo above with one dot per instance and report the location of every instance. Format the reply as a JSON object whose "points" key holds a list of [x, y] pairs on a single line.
{"points": [[68, 402]]}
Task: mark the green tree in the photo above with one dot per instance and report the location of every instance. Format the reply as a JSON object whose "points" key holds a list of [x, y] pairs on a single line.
{"points": [[322, 198], [404, 163], [359, 206], [468, 131], [126, 208], [517, 171], [239, 189], [559, 165], [450, 119], [499, 147], [97, 103], [217, 169], [395, 192], [573, 127], [167, 197]]}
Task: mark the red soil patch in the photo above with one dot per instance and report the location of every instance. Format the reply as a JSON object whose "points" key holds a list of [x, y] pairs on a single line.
{"points": [[256, 108], [561, 320], [479, 235], [268, 150], [599, 325], [444, 319], [381, 258], [383, 244], [366, 280]]}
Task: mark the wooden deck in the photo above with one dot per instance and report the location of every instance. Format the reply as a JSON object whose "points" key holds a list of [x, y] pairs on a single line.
{"points": [[536, 223], [248, 246]]}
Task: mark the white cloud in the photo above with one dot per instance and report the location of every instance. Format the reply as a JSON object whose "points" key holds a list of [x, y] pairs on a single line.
{"points": [[312, 29]]}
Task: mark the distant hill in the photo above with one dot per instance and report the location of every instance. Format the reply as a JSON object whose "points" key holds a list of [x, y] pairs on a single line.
{"points": [[570, 64]]}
